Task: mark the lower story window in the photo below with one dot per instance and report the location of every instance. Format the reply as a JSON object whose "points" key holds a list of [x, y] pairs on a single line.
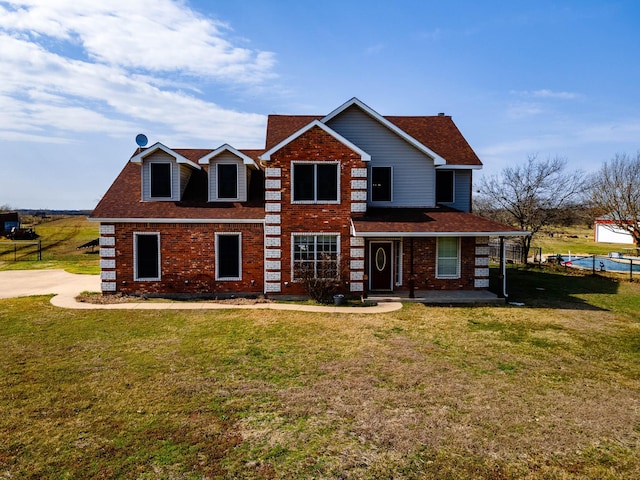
{"points": [[146, 253], [228, 256], [448, 258], [315, 255]]}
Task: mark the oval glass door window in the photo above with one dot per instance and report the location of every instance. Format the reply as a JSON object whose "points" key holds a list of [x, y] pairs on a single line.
{"points": [[381, 259]]}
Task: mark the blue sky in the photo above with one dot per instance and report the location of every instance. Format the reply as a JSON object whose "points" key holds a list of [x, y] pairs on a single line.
{"points": [[80, 79]]}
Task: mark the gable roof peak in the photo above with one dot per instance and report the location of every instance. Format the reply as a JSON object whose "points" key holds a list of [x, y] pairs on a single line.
{"points": [[142, 154], [246, 160], [315, 123], [437, 159]]}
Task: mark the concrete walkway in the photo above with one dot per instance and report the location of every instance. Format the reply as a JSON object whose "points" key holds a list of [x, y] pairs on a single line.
{"points": [[66, 286]]}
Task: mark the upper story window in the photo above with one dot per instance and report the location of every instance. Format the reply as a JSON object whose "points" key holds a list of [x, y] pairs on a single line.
{"points": [[227, 180], [315, 182], [381, 181], [160, 179], [444, 186]]}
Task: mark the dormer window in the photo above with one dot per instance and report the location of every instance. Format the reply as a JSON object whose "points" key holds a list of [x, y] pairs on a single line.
{"points": [[227, 181], [160, 180], [315, 182]]}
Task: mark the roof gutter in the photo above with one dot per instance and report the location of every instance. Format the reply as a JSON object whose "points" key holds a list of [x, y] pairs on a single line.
{"points": [[177, 220]]}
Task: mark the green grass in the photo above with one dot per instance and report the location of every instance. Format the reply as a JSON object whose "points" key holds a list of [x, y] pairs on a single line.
{"points": [[545, 391], [60, 237], [577, 240]]}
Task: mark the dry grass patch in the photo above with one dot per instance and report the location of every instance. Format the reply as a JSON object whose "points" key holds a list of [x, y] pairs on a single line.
{"points": [[425, 392]]}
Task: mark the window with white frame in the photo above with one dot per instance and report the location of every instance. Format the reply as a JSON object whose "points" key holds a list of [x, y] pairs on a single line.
{"points": [[228, 256], [315, 182], [146, 256], [448, 257], [160, 174], [227, 178], [315, 255]]}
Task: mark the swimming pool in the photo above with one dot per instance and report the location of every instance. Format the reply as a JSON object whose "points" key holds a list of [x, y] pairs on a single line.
{"points": [[602, 263]]}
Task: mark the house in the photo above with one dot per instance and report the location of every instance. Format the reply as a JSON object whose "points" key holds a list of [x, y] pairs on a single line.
{"points": [[606, 230], [382, 202]]}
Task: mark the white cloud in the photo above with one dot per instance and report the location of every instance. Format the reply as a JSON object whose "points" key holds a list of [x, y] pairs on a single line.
{"points": [[72, 66], [545, 93]]}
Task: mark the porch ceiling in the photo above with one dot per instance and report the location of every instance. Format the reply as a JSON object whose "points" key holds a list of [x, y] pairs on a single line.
{"points": [[435, 222]]}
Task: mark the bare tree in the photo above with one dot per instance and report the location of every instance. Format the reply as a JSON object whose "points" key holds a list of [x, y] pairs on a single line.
{"points": [[615, 192], [532, 194]]}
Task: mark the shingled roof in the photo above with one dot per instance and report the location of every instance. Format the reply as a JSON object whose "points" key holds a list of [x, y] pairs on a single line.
{"points": [[122, 201], [438, 133], [427, 222]]}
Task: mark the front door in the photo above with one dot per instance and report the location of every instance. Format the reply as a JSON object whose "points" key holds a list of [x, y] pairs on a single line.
{"points": [[380, 266]]}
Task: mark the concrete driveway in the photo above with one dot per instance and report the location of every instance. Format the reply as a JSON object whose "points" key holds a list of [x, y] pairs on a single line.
{"points": [[66, 286], [21, 283]]}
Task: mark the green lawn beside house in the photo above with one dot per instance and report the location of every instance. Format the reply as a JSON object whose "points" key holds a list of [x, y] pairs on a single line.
{"points": [[547, 390]]}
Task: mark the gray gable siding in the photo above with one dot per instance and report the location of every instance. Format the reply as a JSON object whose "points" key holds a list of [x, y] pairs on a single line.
{"points": [[227, 157], [462, 185], [413, 172]]}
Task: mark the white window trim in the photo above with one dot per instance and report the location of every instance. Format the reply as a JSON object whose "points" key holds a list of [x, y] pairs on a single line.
{"points": [[315, 234], [459, 260], [384, 202], [315, 202], [171, 173], [217, 185], [217, 250], [135, 258]]}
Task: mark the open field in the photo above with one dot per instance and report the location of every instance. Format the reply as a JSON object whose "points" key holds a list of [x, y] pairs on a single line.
{"points": [[60, 238], [550, 390], [577, 240]]}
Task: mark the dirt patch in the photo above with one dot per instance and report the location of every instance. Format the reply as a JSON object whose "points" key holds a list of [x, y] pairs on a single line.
{"points": [[99, 299]]}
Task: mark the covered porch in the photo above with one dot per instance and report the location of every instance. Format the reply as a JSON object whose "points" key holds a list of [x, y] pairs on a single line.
{"points": [[437, 255]]}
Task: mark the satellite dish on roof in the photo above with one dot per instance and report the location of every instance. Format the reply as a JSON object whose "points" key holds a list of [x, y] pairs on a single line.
{"points": [[141, 140]]}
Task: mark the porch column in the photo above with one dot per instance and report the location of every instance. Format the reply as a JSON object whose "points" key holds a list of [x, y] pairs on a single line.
{"points": [[502, 288]]}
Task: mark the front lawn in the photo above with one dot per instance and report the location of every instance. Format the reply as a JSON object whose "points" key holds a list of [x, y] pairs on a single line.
{"points": [[549, 390]]}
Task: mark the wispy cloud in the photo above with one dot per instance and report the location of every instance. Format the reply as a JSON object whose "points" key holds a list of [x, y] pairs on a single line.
{"points": [[545, 93], [72, 66]]}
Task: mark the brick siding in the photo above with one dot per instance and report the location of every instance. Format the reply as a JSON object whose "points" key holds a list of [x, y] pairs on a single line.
{"points": [[187, 253]]}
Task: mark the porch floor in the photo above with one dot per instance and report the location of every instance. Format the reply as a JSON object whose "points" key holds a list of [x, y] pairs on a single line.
{"points": [[440, 297]]}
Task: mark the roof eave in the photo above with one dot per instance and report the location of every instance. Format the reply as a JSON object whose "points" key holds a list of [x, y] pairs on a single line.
{"points": [[228, 148], [440, 234], [175, 220], [140, 156]]}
